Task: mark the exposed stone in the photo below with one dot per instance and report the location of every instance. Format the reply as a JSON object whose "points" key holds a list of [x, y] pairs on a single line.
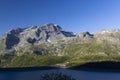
{"points": [[34, 35]]}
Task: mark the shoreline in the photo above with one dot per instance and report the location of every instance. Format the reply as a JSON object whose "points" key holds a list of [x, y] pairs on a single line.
{"points": [[27, 69], [107, 66], [22, 69]]}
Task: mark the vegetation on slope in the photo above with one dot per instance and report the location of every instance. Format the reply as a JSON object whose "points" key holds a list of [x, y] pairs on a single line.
{"points": [[72, 55], [92, 47], [87, 58], [1, 46], [5, 59], [68, 60], [31, 60]]}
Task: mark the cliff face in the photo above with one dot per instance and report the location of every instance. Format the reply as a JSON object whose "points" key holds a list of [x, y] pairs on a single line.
{"points": [[34, 35]]}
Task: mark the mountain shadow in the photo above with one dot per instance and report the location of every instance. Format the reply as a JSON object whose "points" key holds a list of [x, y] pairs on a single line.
{"points": [[99, 66]]}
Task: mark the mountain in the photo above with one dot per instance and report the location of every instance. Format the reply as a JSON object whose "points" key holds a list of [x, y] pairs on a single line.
{"points": [[49, 44], [52, 39], [34, 35]]}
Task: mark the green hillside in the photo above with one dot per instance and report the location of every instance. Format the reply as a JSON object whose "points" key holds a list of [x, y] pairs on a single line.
{"points": [[71, 55]]}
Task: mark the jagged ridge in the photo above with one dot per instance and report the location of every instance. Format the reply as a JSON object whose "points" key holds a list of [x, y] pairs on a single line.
{"points": [[35, 35]]}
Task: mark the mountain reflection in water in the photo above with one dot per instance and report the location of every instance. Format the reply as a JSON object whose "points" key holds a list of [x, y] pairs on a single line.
{"points": [[77, 74]]}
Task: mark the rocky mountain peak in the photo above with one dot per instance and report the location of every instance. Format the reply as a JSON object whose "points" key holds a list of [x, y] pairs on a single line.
{"points": [[19, 38], [51, 27], [34, 35], [15, 31]]}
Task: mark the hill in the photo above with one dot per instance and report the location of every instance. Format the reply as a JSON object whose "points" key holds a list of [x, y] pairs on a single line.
{"points": [[50, 45]]}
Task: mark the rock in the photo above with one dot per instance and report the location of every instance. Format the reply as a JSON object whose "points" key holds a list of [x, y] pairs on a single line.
{"points": [[112, 36], [34, 35], [85, 34]]}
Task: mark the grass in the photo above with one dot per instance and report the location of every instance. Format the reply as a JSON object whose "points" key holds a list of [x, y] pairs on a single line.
{"points": [[32, 60], [91, 47], [1, 46], [74, 54], [87, 58], [35, 60], [5, 59]]}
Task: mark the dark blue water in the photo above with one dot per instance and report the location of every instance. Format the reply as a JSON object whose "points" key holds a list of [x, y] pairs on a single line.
{"points": [[77, 74]]}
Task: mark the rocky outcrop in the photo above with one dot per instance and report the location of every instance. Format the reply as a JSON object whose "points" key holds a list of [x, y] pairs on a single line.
{"points": [[34, 35], [112, 36], [85, 34]]}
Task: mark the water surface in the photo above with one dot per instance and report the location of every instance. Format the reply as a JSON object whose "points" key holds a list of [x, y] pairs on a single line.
{"points": [[77, 74]]}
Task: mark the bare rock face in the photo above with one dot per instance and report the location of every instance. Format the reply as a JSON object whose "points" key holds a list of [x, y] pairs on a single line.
{"points": [[112, 36], [11, 38], [84, 35], [34, 35]]}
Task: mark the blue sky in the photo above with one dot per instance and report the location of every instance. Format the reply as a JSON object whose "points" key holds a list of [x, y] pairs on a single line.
{"points": [[72, 15]]}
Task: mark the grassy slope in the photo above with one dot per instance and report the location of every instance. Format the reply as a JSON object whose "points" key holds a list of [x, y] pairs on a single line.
{"points": [[1, 46], [68, 60], [75, 54], [35, 60]]}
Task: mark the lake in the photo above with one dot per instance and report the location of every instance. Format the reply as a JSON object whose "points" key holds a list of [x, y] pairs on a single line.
{"points": [[77, 74]]}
